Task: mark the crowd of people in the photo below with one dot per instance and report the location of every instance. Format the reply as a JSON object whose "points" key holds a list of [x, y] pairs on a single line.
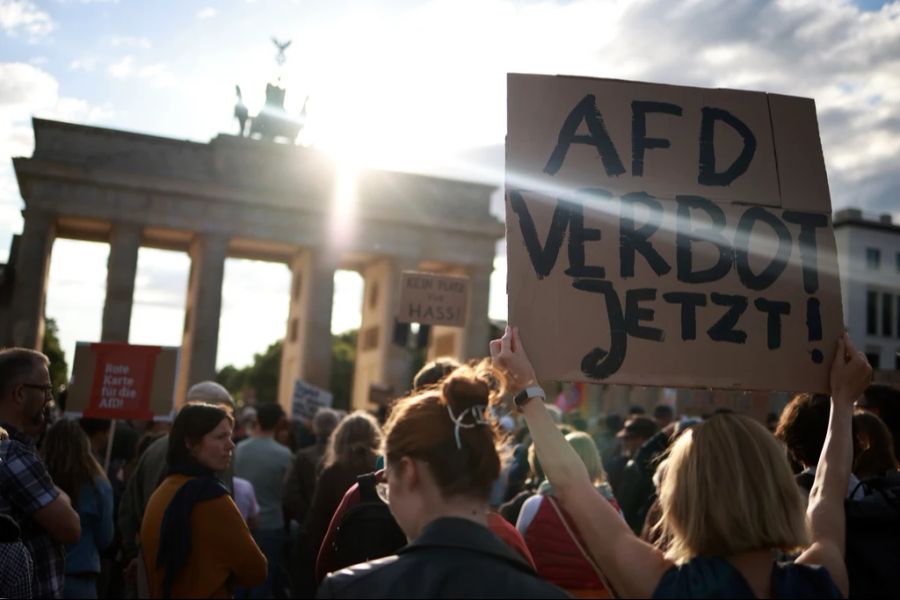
{"points": [[472, 486]]}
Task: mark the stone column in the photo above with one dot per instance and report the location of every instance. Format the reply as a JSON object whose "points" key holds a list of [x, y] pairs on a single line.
{"points": [[306, 353], [124, 243], [379, 361], [32, 266], [478, 326], [201, 317]]}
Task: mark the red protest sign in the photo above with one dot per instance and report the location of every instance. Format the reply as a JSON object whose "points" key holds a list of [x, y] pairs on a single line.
{"points": [[122, 381]]}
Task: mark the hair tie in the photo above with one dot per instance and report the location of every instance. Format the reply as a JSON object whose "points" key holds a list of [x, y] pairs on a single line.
{"points": [[477, 413]]}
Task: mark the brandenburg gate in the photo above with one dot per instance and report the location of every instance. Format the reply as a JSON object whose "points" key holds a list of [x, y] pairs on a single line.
{"points": [[245, 198]]}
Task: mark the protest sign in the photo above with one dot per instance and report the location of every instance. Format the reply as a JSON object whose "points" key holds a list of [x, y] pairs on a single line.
{"points": [[122, 381], [308, 399], [433, 299], [669, 236]]}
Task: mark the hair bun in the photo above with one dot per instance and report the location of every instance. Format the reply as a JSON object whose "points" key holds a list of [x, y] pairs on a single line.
{"points": [[465, 388]]}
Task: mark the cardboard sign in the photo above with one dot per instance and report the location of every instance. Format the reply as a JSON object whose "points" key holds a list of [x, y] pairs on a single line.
{"points": [[308, 399], [123, 381], [433, 299], [669, 236]]}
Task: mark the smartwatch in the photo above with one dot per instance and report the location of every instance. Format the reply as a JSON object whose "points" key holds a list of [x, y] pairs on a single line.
{"points": [[532, 391]]}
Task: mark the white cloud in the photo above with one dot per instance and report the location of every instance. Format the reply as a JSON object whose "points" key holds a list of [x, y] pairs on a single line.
{"points": [[207, 12], [156, 74], [122, 68], [87, 63], [26, 91], [23, 15], [129, 41]]}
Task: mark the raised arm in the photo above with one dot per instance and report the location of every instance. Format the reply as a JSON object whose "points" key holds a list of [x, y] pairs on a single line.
{"points": [[850, 375], [632, 566]]}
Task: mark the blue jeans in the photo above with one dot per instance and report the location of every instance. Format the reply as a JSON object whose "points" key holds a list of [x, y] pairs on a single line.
{"points": [[271, 542]]}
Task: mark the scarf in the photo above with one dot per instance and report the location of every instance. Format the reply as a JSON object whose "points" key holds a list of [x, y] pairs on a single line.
{"points": [[175, 533]]}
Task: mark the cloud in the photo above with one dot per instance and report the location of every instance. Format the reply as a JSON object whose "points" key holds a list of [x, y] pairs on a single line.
{"points": [[848, 60], [156, 74], [26, 91], [87, 63], [23, 15], [207, 12], [122, 68], [129, 41]]}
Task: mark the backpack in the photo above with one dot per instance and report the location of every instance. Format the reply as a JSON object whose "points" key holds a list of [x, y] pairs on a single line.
{"points": [[873, 538], [367, 530]]}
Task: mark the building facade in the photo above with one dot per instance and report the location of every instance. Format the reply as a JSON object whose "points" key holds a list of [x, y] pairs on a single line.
{"points": [[869, 261]]}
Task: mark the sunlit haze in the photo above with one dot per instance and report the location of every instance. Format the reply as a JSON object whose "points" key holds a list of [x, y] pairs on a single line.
{"points": [[404, 85]]}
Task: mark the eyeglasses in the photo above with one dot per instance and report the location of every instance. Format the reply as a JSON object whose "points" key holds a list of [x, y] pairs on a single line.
{"points": [[47, 389], [381, 488]]}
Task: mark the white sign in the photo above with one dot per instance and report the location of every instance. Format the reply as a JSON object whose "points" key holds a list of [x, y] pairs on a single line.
{"points": [[308, 399]]}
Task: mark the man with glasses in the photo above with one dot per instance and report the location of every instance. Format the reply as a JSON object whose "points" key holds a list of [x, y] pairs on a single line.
{"points": [[27, 493]]}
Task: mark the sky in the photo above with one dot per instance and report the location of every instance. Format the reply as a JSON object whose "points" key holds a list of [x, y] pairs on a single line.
{"points": [[410, 86]]}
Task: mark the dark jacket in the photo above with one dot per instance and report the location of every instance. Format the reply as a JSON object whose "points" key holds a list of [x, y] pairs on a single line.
{"points": [[452, 558], [636, 491]]}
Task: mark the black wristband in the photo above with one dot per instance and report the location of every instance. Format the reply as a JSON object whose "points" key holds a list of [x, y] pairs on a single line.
{"points": [[532, 391]]}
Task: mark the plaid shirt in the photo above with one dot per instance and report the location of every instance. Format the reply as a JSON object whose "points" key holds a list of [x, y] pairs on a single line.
{"points": [[25, 487], [15, 576]]}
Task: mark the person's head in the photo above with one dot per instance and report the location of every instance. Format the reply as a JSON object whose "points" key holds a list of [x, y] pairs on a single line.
{"points": [[433, 372], [268, 417], [441, 449], [324, 423], [25, 388], [587, 450], [355, 442], [201, 435], [210, 392], [637, 430], [727, 489], [663, 414], [613, 423], [884, 401], [578, 423], [803, 426], [66, 453], [636, 410], [876, 446], [97, 431]]}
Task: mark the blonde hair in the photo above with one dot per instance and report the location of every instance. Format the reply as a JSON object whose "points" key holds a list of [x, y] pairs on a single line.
{"points": [[587, 450], [355, 442], [726, 489]]}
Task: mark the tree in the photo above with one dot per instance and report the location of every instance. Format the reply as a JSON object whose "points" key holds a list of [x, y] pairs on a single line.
{"points": [[262, 376], [343, 359], [51, 347]]}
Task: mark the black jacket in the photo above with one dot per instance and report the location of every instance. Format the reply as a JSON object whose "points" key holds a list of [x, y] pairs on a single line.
{"points": [[452, 558]]}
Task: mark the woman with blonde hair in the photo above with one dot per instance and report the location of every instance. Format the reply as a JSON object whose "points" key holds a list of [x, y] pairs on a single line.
{"points": [[728, 498], [352, 450]]}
